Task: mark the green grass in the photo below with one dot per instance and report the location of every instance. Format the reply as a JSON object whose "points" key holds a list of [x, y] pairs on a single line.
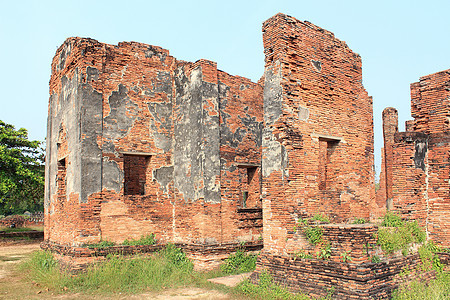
{"points": [[168, 268], [239, 262], [267, 289], [144, 240], [394, 234], [148, 239], [437, 289], [19, 229]]}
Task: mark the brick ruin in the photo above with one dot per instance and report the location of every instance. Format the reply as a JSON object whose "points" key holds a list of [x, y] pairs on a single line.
{"points": [[416, 163], [139, 142]]}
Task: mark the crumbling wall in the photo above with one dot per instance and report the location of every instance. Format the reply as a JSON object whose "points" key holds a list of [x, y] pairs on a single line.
{"points": [[318, 130], [135, 146], [420, 168], [241, 121]]}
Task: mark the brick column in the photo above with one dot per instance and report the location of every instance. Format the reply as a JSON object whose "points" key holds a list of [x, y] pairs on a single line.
{"points": [[390, 127]]}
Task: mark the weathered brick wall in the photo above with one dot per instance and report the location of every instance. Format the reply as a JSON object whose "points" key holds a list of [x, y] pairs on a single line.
{"points": [[438, 222], [241, 121], [420, 169], [430, 100], [313, 96], [409, 178], [140, 143]]}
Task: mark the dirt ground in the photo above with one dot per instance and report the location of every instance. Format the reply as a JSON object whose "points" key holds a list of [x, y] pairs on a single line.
{"points": [[14, 285]]}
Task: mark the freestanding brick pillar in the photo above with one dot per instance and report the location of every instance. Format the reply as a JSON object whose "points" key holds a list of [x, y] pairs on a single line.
{"points": [[390, 127]]}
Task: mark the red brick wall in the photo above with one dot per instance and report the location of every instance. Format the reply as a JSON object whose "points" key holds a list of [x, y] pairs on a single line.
{"points": [[313, 96], [430, 99]]}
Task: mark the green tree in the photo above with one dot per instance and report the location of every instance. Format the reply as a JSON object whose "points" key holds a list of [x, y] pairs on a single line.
{"points": [[21, 171]]}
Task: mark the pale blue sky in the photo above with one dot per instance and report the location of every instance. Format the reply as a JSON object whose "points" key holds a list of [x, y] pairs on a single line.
{"points": [[399, 41]]}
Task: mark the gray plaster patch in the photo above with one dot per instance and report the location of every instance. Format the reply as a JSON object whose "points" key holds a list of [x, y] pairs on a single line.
{"points": [[421, 148], [164, 176], [274, 155], [112, 175], [91, 129], [121, 117], [196, 136], [317, 65], [161, 124], [92, 74], [67, 48], [273, 94], [303, 113]]}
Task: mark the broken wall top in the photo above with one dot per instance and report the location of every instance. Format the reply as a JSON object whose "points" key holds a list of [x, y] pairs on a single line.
{"points": [[430, 103]]}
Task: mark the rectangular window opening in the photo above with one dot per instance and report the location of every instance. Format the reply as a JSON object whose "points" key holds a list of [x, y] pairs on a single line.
{"points": [[326, 149], [61, 179], [135, 173], [249, 185]]}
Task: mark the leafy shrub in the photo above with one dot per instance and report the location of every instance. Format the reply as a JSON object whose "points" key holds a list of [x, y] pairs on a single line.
{"points": [[239, 262], [325, 252], [144, 240], [345, 256], [392, 220], [302, 254], [375, 259], [400, 236], [429, 258]]}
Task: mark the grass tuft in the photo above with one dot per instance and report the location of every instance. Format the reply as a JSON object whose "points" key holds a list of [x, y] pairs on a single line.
{"points": [[144, 240], [239, 262], [437, 289], [267, 289]]}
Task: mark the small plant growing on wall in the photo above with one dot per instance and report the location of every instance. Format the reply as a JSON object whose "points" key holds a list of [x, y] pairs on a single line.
{"points": [[375, 259], [325, 252], [313, 233], [321, 218], [302, 255], [345, 256], [359, 221]]}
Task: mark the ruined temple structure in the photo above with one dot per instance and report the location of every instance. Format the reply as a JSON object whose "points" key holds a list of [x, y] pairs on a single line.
{"points": [[141, 143], [416, 163]]}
